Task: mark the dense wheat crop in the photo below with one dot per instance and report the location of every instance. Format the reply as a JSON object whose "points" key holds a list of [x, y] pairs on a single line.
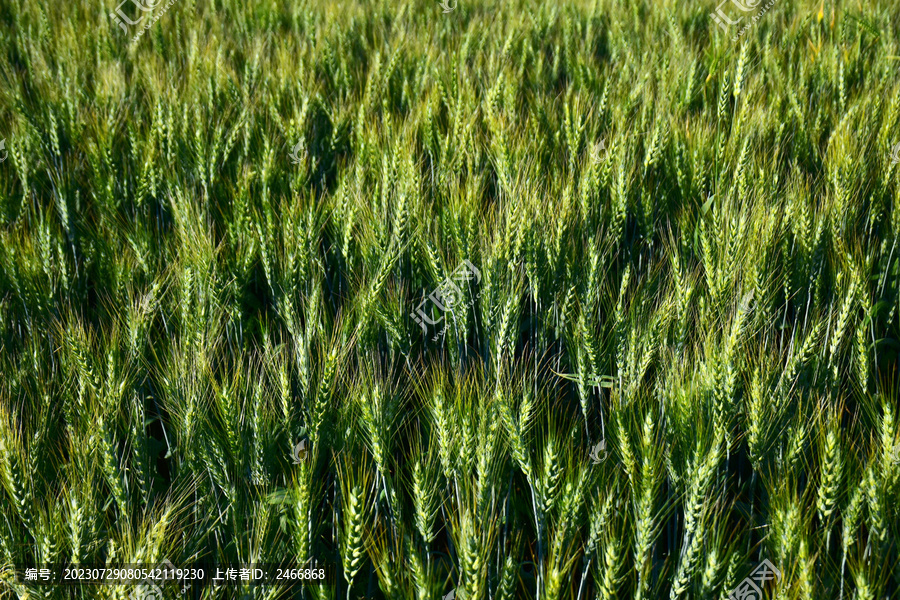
{"points": [[228, 331]]}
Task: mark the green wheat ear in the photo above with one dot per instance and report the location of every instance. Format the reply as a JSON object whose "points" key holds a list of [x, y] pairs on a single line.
{"points": [[356, 490], [15, 478], [425, 480], [831, 469]]}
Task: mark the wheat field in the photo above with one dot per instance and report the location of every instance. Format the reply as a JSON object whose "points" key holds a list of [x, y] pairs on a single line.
{"points": [[482, 301]]}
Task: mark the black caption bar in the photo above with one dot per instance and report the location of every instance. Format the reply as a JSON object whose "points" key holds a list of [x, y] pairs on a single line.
{"points": [[163, 574]]}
